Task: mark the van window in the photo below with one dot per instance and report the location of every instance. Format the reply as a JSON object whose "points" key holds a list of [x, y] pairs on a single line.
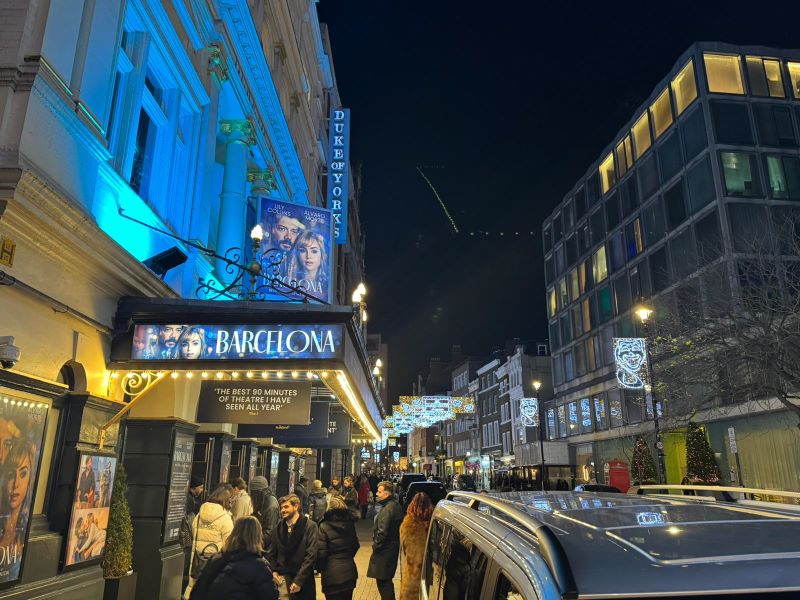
{"points": [[506, 590], [464, 569], [434, 558]]}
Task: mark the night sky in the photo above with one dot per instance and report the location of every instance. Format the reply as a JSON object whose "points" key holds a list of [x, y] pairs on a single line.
{"points": [[504, 106]]}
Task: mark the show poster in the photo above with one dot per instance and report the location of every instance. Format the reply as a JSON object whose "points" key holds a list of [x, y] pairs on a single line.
{"points": [[314, 428], [298, 246], [235, 342], [254, 402], [91, 508], [22, 425], [339, 430], [180, 474]]}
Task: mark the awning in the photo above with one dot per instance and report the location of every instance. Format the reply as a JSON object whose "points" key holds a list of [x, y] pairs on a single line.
{"points": [[242, 338]]}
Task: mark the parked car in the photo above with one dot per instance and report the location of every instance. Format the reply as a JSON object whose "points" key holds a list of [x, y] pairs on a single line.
{"points": [[435, 490], [551, 545], [407, 479], [465, 483], [596, 487]]}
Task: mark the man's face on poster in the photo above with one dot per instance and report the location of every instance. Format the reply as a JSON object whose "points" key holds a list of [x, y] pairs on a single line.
{"points": [[88, 464], [139, 339], [284, 233], [168, 335]]}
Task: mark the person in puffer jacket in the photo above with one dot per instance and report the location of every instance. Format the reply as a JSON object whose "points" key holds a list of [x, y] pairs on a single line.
{"points": [[238, 572], [212, 526], [337, 544], [317, 502]]}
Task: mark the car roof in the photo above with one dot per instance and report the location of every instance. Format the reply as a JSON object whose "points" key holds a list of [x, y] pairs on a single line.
{"points": [[656, 545]]}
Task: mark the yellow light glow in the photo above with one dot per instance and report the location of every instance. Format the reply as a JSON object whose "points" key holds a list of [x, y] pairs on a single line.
{"points": [[537, 384], [114, 375], [644, 313], [295, 374], [379, 363], [219, 375], [249, 375], [189, 375], [160, 374], [204, 374], [310, 375], [235, 374], [280, 374], [324, 374], [264, 375], [174, 375], [365, 420]]}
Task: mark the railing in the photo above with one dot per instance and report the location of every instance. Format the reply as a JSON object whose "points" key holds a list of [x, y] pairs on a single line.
{"points": [[725, 491], [550, 548]]}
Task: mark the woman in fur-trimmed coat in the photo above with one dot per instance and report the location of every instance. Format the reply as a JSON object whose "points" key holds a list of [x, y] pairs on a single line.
{"points": [[413, 537]]}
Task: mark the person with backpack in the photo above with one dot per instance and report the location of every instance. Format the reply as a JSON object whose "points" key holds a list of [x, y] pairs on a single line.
{"points": [[212, 526], [239, 572], [317, 502], [265, 507], [337, 544]]}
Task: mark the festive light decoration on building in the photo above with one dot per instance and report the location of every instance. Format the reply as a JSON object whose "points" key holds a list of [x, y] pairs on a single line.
{"points": [[630, 357], [529, 412], [415, 412]]}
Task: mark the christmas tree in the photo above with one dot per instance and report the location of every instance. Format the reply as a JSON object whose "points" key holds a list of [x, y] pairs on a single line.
{"points": [[643, 469], [119, 536], [701, 466]]}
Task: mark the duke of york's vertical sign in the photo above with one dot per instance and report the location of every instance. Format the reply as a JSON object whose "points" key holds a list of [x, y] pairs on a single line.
{"points": [[338, 165]]}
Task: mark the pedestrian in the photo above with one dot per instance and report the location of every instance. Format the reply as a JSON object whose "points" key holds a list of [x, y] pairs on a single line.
{"points": [[317, 502], [363, 496], [301, 491], [336, 546], [293, 551], [242, 503], [350, 497], [385, 541], [373, 487], [413, 537], [238, 572], [265, 507], [335, 488], [194, 499], [212, 526]]}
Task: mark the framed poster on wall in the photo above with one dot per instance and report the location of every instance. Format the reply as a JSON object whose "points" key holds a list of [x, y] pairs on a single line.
{"points": [[91, 508], [22, 425]]}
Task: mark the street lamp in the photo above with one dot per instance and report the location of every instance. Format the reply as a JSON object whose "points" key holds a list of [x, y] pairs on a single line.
{"points": [[536, 386], [644, 313], [254, 268]]}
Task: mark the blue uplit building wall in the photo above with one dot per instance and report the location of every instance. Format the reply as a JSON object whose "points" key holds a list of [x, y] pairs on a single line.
{"points": [[710, 157]]}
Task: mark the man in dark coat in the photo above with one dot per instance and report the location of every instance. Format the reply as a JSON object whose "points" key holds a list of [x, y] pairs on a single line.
{"points": [[385, 541], [373, 487], [301, 491], [293, 550]]}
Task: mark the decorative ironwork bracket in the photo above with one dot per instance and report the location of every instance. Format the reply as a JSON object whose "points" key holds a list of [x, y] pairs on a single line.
{"points": [[135, 385]]}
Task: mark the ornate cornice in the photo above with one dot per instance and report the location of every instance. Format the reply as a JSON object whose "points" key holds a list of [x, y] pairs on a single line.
{"points": [[267, 176], [217, 64]]}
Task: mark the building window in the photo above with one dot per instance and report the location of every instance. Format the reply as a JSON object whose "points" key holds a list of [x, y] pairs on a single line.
{"points": [[783, 174], [648, 177], [654, 222], [622, 294], [584, 277], [765, 77], [684, 253], [600, 417], [634, 238], [709, 240], [693, 133], [563, 297], [604, 306], [794, 78], [732, 123], [608, 176], [615, 409], [701, 185], [624, 154], [572, 414], [586, 416], [659, 267], [551, 424], [676, 205], [684, 88], [723, 73], [599, 265], [774, 125], [591, 357], [577, 325], [741, 174], [552, 301], [669, 156], [587, 314], [641, 135], [661, 111], [562, 421], [573, 284], [598, 224]]}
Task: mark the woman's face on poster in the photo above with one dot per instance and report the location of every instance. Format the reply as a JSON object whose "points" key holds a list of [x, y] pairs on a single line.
{"points": [[7, 436], [191, 347], [310, 255], [19, 477]]}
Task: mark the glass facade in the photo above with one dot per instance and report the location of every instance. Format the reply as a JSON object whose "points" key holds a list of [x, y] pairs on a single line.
{"points": [[690, 179]]}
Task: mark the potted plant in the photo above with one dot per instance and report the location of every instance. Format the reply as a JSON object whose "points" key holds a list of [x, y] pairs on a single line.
{"points": [[118, 560]]}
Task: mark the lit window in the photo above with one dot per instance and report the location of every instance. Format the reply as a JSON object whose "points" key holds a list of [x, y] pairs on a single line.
{"points": [[684, 88], [723, 74], [582, 277], [661, 110], [599, 265], [741, 174], [765, 77], [641, 135], [608, 177], [573, 284], [563, 298], [624, 156], [552, 301], [587, 314], [794, 77]]}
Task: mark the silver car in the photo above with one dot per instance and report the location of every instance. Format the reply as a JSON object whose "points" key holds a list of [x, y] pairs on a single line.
{"points": [[551, 545]]}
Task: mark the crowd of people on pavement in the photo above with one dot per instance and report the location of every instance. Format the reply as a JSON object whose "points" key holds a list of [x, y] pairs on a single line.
{"points": [[243, 542]]}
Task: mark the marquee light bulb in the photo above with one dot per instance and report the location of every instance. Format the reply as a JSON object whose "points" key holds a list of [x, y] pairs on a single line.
{"points": [[174, 375], [264, 375], [295, 374], [114, 375], [189, 375], [249, 374], [235, 374], [310, 375], [219, 375], [280, 374], [146, 375], [159, 374], [204, 374]]}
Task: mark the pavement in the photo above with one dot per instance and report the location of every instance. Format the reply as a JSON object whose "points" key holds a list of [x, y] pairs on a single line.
{"points": [[365, 588]]}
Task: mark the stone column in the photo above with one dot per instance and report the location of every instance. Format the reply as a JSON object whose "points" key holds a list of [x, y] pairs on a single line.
{"points": [[262, 180], [232, 211]]}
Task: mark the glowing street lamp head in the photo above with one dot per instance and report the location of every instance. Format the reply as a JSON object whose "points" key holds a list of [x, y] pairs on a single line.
{"points": [[537, 384], [643, 313], [379, 363], [376, 371], [257, 233]]}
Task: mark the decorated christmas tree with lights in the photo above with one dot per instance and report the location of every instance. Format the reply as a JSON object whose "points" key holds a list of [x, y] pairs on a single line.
{"points": [[643, 468], [701, 466]]}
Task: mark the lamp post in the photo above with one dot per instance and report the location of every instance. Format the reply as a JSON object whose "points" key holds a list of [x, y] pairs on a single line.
{"points": [[254, 268], [644, 313], [536, 385]]}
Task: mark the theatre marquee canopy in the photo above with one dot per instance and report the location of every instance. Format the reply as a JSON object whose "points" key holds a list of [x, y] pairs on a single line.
{"points": [[261, 340]]}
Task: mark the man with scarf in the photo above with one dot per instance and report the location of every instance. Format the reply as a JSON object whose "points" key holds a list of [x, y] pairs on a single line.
{"points": [[293, 551]]}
